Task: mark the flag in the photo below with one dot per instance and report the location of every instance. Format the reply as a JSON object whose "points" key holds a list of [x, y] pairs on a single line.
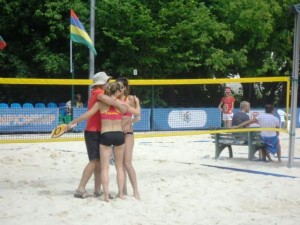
{"points": [[78, 33], [2, 43]]}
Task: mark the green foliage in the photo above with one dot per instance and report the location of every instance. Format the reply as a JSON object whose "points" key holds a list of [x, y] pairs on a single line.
{"points": [[162, 39]]}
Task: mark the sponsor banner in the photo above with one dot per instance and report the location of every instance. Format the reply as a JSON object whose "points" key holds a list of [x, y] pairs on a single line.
{"points": [[76, 113], [186, 118], [21, 120], [144, 123]]}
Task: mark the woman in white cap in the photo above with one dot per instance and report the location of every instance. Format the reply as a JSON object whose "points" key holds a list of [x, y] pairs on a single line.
{"points": [[111, 135], [92, 135]]}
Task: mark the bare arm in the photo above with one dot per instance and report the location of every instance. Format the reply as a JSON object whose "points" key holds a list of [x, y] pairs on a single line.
{"points": [[136, 119], [246, 123], [136, 110], [85, 116], [220, 106], [110, 101]]}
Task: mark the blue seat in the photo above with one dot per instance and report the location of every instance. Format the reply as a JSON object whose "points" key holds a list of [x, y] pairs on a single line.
{"points": [[39, 105], [15, 105], [27, 105], [51, 105], [3, 105]]}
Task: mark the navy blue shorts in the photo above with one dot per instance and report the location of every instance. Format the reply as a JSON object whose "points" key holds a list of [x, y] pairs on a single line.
{"points": [[115, 138], [92, 143]]}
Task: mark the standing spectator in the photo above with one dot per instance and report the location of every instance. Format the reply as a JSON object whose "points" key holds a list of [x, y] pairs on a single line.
{"points": [[226, 106], [242, 115], [269, 137], [129, 119], [92, 135]]}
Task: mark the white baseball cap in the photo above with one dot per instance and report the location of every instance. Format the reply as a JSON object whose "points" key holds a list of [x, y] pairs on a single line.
{"points": [[100, 78]]}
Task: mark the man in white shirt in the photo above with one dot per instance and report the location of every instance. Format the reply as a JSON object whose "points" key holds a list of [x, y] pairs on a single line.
{"points": [[269, 137]]}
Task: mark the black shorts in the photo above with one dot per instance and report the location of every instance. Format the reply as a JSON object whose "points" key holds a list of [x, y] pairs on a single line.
{"points": [[115, 138], [92, 143]]}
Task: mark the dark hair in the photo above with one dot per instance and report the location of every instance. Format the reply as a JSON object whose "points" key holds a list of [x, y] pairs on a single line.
{"points": [[125, 82], [269, 108], [112, 88]]}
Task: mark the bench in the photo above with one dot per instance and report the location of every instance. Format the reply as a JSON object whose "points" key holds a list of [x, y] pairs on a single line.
{"points": [[226, 140]]}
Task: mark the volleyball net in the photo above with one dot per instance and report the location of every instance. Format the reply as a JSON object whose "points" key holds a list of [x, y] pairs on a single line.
{"points": [[31, 108]]}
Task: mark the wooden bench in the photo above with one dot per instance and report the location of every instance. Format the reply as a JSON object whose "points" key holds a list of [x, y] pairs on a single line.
{"points": [[226, 140]]}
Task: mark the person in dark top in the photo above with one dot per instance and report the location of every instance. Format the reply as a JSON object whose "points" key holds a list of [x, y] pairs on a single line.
{"points": [[241, 116]]}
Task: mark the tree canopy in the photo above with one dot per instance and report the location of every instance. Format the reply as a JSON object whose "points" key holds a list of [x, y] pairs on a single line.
{"points": [[166, 39], [161, 39]]}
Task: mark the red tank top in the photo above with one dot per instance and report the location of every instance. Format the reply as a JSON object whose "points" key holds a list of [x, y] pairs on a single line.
{"points": [[111, 114], [94, 122], [129, 114]]}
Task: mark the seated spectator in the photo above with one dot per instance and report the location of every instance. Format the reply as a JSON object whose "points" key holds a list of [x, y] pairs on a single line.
{"points": [[242, 115], [269, 137], [77, 103]]}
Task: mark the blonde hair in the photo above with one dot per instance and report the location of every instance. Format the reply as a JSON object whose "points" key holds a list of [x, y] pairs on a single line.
{"points": [[112, 88]]}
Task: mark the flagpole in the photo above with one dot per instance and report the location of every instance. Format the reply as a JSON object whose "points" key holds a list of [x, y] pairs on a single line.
{"points": [[72, 77], [92, 36]]}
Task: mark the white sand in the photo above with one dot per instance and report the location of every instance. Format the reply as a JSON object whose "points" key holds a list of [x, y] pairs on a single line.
{"points": [[38, 181]]}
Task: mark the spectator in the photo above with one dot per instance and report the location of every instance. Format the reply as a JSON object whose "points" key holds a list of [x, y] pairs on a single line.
{"points": [[269, 137], [77, 103], [242, 115], [226, 107]]}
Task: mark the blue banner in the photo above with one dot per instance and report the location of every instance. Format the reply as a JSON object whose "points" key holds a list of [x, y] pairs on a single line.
{"points": [[144, 123], [76, 113], [24, 120], [186, 118]]}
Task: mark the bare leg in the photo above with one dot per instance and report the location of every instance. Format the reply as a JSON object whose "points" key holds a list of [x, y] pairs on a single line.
{"points": [[129, 140], [125, 182], [279, 152], [228, 123], [86, 174], [104, 157], [268, 156], [97, 176], [119, 152]]}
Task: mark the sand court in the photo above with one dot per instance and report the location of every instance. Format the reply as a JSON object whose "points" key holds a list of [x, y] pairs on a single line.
{"points": [[180, 182]]}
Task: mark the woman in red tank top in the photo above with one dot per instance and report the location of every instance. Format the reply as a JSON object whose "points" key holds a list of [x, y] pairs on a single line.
{"points": [[129, 119]]}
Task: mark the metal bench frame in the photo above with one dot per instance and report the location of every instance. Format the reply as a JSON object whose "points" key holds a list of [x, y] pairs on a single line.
{"points": [[226, 140]]}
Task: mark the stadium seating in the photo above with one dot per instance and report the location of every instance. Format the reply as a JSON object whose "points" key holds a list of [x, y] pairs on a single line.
{"points": [[27, 105], [39, 105], [3, 105], [15, 105], [51, 105]]}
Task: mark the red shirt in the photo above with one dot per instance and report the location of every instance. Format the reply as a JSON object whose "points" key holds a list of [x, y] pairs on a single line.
{"points": [[94, 122], [227, 104]]}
